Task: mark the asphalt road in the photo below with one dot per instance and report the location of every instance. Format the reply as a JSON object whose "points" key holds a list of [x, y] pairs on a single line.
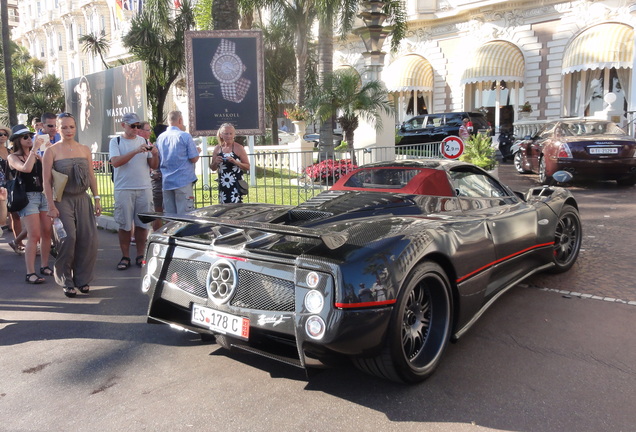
{"points": [[545, 357]]}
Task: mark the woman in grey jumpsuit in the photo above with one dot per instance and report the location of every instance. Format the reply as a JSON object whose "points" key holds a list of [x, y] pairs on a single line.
{"points": [[77, 252]]}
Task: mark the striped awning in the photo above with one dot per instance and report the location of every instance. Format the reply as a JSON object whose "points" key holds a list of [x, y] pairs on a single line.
{"points": [[497, 60], [411, 72], [609, 45]]}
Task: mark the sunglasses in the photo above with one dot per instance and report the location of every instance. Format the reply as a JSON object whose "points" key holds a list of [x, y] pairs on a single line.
{"points": [[64, 114], [136, 126], [26, 136], [3, 134], [50, 125]]}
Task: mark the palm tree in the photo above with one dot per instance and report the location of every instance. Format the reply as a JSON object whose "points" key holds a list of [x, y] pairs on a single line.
{"points": [[225, 14], [157, 38], [95, 45], [8, 76], [345, 12], [277, 41], [300, 14], [344, 96]]}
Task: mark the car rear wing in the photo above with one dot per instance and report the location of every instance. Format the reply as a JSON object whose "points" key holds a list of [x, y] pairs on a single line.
{"points": [[331, 239]]}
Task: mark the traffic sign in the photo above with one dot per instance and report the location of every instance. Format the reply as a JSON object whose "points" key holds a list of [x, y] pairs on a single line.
{"points": [[452, 147]]}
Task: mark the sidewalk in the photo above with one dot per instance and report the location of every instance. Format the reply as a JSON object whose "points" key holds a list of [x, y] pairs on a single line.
{"points": [[13, 270]]}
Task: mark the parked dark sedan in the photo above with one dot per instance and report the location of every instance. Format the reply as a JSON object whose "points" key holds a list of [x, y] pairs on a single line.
{"points": [[387, 267], [435, 127], [590, 149]]}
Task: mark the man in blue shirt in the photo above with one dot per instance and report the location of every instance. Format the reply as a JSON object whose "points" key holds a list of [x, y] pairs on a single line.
{"points": [[178, 155]]}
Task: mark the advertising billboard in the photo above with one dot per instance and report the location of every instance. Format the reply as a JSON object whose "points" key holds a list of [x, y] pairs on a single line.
{"points": [[225, 81], [99, 100]]}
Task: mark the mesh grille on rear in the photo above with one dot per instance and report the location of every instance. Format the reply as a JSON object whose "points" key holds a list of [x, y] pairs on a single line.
{"points": [[262, 292], [190, 276]]}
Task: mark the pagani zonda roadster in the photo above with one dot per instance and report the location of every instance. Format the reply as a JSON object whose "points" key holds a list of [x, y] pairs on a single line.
{"points": [[394, 261]]}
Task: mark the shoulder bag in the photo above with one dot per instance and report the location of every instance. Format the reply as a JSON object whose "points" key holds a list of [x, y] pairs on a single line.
{"points": [[16, 194]]}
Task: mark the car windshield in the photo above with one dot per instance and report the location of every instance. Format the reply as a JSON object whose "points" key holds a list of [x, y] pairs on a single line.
{"points": [[591, 128]]}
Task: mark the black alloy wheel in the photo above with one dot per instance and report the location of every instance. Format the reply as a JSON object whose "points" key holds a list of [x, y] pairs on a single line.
{"points": [[568, 236], [420, 328]]}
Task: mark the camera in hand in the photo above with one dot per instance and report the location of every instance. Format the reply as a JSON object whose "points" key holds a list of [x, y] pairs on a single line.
{"points": [[148, 147]]}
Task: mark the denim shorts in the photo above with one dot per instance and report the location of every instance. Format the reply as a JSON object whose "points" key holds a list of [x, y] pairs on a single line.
{"points": [[37, 203]]}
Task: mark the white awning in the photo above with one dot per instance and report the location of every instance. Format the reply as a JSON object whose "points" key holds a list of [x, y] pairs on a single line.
{"points": [[609, 45], [411, 72], [495, 61]]}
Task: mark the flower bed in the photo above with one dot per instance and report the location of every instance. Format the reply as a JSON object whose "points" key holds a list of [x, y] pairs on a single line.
{"points": [[329, 170]]}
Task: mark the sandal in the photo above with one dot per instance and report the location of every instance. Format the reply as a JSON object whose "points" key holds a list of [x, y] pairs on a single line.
{"points": [[123, 264], [46, 271], [139, 261], [37, 280], [84, 289], [16, 248], [69, 292]]}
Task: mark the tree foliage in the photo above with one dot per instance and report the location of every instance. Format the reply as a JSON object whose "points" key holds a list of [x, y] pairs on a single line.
{"points": [[345, 96], [35, 92], [157, 38], [97, 45]]}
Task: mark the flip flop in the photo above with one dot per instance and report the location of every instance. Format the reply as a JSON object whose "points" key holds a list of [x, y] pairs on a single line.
{"points": [[123, 264], [16, 248], [38, 279], [46, 271]]}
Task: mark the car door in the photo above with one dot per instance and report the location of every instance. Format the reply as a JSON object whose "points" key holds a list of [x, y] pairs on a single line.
{"points": [[534, 149], [512, 223]]}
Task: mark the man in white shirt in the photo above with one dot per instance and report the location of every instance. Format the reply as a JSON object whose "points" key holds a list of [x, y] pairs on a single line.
{"points": [[130, 157]]}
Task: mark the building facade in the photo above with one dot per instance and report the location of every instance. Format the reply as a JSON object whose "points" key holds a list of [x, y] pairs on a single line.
{"points": [[566, 58], [51, 29]]}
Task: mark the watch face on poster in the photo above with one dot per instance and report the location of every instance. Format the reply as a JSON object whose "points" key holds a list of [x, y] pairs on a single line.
{"points": [[227, 68], [225, 80]]}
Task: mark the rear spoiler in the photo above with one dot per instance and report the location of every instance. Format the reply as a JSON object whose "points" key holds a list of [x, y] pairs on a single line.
{"points": [[331, 239]]}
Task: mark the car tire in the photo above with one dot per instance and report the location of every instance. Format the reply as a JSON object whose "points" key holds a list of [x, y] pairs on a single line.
{"points": [[419, 330], [568, 236], [517, 160], [543, 177]]}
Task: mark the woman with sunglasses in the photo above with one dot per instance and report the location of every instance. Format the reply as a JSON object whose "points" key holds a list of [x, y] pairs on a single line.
{"points": [[28, 165], [77, 252]]}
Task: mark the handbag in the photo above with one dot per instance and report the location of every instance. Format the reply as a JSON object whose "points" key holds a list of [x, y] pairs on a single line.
{"points": [[16, 194], [243, 187], [59, 183]]}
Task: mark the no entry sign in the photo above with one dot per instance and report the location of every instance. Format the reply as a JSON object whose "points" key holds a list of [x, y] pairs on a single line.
{"points": [[452, 147]]}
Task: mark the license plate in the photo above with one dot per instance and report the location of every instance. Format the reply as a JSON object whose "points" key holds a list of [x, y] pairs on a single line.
{"points": [[221, 322], [603, 150]]}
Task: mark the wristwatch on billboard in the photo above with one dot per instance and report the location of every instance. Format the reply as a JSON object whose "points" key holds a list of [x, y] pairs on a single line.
{"points": [[228, 68]]}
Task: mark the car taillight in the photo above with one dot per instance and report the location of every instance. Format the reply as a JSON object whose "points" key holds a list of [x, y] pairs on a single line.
{"points": [[564, 151]]}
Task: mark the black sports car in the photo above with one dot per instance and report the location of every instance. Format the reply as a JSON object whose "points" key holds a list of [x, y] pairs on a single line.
{"points": [[394, 261]]}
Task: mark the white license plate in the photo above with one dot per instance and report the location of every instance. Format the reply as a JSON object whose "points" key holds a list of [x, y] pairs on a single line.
{"points": [[603, 150], [221, 322]]}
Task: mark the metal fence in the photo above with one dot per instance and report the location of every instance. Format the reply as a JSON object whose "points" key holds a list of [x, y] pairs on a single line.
{"points": [[277, 176]]}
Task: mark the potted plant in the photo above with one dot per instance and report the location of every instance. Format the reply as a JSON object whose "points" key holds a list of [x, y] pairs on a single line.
{"points": [[525, 110], [480, 152]]}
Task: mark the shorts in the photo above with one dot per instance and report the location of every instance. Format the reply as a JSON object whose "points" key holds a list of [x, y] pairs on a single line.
{"points": [[157, 194], [128, 204], [37, 203]]}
